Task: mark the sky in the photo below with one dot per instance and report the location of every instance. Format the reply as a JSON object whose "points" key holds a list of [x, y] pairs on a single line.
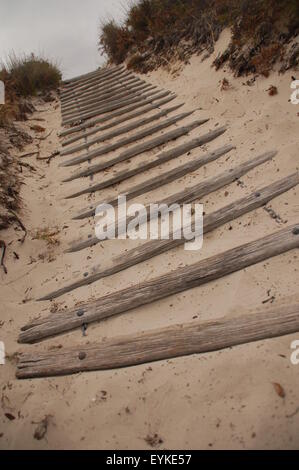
{"points": [[65, 31]]}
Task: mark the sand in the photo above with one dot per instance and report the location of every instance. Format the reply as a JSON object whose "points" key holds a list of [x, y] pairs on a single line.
{"points": [[222, 400]]}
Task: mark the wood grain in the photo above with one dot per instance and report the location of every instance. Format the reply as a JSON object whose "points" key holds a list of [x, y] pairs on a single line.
{"points": [[81, 109], [83, 89], [116, 104], [158, 160], [120, 112], [134, 151], [187, 196], [97, 74], [211, 222], [161, 344], [111, 147], [98, 94], [159, 180], [169, 284], [140, 112], [120, 131]]}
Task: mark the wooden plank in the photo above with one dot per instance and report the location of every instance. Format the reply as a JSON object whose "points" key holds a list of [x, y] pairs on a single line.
{"points": [[69, 88], [158, 160], [104, 102], [79, 81], [186, 196], [155, 247], [164, 286], [160, 180], [91, 81], [68, 81], [91, 155], [99, 94], [107, 109], [96, 78], [81, 109], [140, 101], [161, 344], [107, 106], [99, 70], [85, 92], [134, 151], [121, 79], [140, 112], [121, 130], [98, 82]]}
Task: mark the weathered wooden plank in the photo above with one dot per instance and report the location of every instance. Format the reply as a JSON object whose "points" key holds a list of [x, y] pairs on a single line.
{"points": [[158, 160], [90, 82], [160, 180], [161, 344], [155, 247], [68, 81], [140, 102], [164, 286], [133, 152], [98, 82], [99, 94], [114, 73], [121, 130], [91, 155], [88, 91], [99, 70], [78, 81], [123, 78], [140, 112], [186, 196], [101, 102], [99, 79], [108, 109]]}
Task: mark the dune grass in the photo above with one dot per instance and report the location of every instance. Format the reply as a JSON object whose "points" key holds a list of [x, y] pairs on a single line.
{"points": [[25, 76], [159, 26]]}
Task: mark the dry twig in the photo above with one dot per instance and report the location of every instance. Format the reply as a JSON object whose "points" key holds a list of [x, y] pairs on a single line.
{"points": [[3, 246]]}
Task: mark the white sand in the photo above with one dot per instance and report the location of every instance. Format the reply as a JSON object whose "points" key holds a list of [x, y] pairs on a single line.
{"points": [[221, 400]]}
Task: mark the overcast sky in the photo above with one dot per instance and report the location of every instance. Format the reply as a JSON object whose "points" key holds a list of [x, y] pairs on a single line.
{"points": [[63, 30]]}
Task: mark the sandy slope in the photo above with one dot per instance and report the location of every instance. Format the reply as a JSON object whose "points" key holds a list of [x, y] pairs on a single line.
{"points": [[221, 400]]}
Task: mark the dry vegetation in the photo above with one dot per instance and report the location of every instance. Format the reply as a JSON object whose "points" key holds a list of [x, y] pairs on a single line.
{"points": [[157, 32], [23, 78]]}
